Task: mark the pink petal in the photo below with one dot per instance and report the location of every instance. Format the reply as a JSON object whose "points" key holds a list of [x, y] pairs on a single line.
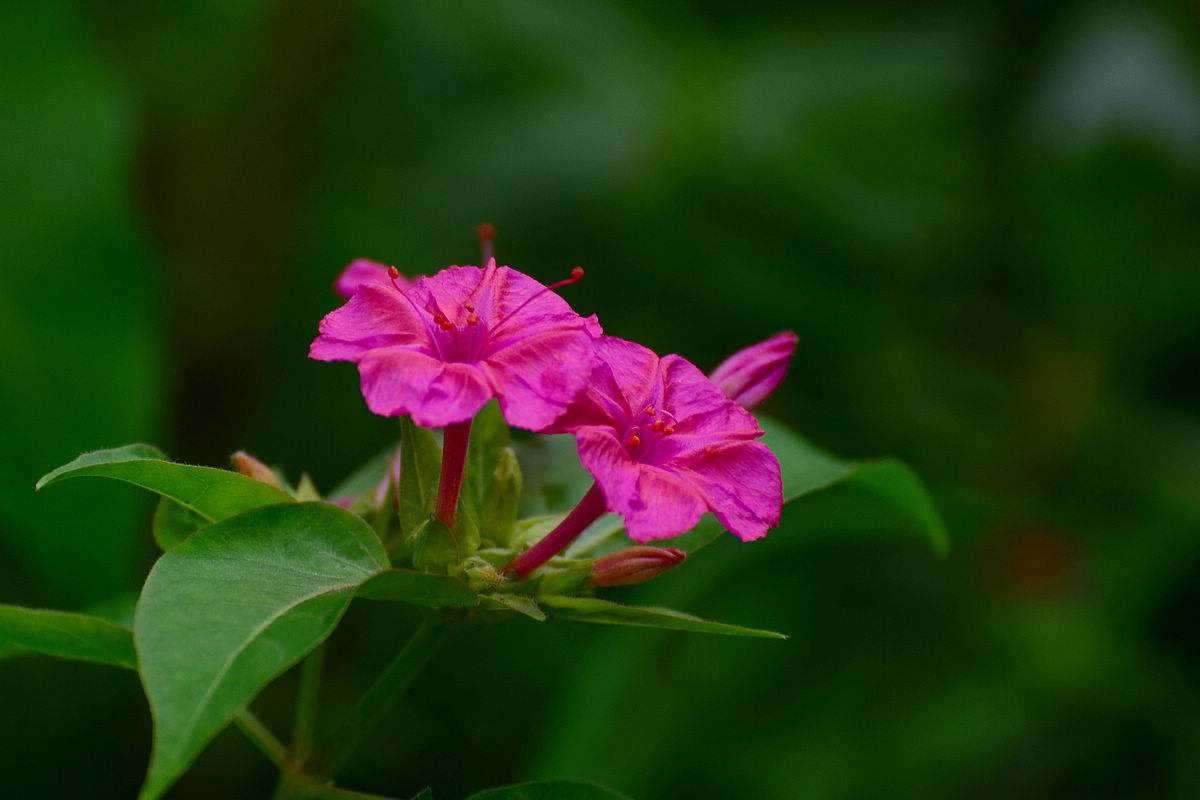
{"points": [[742, 486], [362, 271], [399, 380], [700, 407], [749, 375], [537, 377], [654, 503], [374, 317]]}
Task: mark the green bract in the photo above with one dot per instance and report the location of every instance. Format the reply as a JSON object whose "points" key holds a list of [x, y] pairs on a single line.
{"points": [[252, 581]]}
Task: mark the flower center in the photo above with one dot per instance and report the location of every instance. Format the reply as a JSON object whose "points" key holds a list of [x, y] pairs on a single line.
{"points": [[649, 428]]}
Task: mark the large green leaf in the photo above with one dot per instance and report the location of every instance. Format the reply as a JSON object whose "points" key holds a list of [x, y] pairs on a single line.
{"points": [[234, 606], [605, 612], [214, 494], [550, 790], [419, 588], [173, 523], [805, 468], [66, 635]]}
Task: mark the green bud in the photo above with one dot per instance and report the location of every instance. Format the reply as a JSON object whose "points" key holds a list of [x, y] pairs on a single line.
{"points": [[499, 517]]}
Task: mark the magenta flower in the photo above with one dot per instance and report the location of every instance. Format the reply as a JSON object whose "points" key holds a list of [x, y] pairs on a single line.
{"points": [[749, 375], [441, 348], [664, 445], [363, 271]]}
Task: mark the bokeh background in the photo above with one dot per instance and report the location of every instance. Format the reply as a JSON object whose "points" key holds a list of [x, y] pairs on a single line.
{"points": [[981, 218]]}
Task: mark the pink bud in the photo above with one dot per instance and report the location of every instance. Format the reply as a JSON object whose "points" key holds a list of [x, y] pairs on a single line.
{"points": [[251, 467], [749, 375], [634, 565], [364, 270]]}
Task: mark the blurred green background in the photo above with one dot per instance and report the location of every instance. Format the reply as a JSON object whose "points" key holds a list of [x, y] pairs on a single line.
{"points": [[983, 220]]}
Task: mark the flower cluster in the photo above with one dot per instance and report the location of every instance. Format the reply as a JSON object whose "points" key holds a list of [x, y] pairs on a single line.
{"points": [[664, 442]]}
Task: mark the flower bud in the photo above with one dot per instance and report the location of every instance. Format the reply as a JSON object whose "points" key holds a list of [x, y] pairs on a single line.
{"points": [[634, 565], [503, 498], [251, 467], [749, 375]]}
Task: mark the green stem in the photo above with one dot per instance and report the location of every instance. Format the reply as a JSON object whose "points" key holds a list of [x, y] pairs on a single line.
{"points": [[383, 695], [304, 726], [262, 737]]}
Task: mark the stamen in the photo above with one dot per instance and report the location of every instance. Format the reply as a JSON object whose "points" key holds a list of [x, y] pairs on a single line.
{"points": [[393, 274], [657, 426], [649, 411], [472, 318], [634, 440], [442, 321], [667, 431], [576, 277]]}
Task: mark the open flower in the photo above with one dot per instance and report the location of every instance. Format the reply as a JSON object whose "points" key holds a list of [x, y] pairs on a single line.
{"points": [[664, 445], [749, 375], [362, 271], [440, 349]]}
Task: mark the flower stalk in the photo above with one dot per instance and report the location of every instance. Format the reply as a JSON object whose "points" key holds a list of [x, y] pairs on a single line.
{"points": [[455, 439], [584, 514]]}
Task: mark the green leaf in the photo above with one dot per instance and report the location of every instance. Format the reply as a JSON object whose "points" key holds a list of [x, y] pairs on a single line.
{"points": [[805, 468], [234, 606], [897, 485], [516, 602], [214, 494], [550, 790], [66, 635], [604, 612], [173, 523], [420, 465], [419, 588]]}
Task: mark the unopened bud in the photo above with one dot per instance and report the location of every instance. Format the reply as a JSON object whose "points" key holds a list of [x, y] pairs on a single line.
{"points": [[499, 516], [634, 565], [251, 467], [749, 375]]}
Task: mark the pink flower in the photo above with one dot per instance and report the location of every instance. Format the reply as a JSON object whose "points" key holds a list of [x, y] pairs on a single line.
{"points": [[440, 349], [664, 445], [363, 271], [749, 375]]}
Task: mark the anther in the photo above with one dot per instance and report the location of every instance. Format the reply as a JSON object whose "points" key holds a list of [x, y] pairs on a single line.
{"points": [[634, 440], [393, 274], [657, 426], [576, 277], [649, 411], [667, 431], [442, 322], [472, 318]]}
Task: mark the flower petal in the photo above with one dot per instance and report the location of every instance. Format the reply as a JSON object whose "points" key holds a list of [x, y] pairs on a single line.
{"points": [[654, 503], [742, 486], [374, 317], [537, 377], [399, 380], [700, 407], [749, 375]]}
